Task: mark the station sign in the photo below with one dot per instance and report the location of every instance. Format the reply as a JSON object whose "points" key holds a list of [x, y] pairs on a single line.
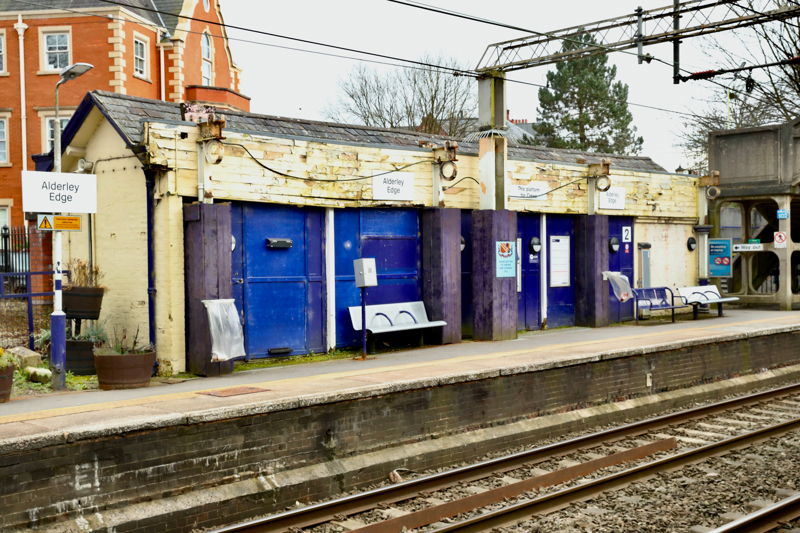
{"points": [[754, 241], [748, 247], [720, 261], [533, 190], [58, 223], [393, 186], [613, 198], [58, 192]]}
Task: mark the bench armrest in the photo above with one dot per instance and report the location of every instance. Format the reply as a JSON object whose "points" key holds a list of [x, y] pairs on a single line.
{"points": [[409, 314]]}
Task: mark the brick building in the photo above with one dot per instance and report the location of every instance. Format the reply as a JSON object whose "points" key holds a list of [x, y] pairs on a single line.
{"points": [[144, 48]]}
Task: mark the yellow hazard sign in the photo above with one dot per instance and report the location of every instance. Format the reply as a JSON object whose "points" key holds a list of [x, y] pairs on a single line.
{"points": [[59, 223]]}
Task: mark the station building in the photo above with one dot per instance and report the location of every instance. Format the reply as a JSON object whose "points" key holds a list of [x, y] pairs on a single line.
{"points": [[187, 210]]}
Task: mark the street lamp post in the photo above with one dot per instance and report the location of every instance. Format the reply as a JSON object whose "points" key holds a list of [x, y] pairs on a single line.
{"points": [[58, 320]]}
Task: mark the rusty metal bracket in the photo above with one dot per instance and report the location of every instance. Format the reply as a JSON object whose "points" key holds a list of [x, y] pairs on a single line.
{"points": [[710, 180]]}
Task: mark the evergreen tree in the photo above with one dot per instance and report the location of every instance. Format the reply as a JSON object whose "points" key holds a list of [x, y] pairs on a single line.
{"points": [[584, 108]]}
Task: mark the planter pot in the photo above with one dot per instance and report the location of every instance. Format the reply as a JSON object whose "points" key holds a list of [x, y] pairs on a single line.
{"points": [[83, 303], [80, 358], [129, 371], [6, 380]]}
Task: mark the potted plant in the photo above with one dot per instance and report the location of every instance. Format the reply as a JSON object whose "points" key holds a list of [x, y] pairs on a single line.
{"points": [[82, 295], [8, 362], [124, 364], [80, 348]]}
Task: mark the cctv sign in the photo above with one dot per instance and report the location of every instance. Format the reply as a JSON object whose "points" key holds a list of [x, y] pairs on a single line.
{"points": [[57, 192]]}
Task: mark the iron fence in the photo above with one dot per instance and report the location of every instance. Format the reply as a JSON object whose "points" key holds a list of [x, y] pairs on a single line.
{"points": [[15, 257], [23, 314]]}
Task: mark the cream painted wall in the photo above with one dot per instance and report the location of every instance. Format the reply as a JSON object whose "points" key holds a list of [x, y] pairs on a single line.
{"points": [[671, 263], [120, 232]]}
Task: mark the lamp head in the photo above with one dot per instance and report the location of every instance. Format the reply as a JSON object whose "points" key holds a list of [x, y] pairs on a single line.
{"points": [[73, 71]]}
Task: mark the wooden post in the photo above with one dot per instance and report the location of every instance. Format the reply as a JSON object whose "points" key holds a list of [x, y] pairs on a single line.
{"points": [[207, 238], [591, 259], [494, 300], [441, 273]]}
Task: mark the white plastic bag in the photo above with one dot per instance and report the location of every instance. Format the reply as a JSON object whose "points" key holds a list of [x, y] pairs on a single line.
{"points": [[227, 339], [620, 284]]}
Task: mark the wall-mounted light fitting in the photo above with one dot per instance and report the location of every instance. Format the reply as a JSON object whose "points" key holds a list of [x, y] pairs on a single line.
{"points": [[712, 192], [463, 243], [534, 245], [613, 245], [448, 170], [602, 183], [691, 244]]}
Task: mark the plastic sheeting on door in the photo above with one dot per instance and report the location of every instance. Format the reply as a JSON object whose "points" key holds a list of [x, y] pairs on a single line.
{"points": [[620, 284], [227, 339]]}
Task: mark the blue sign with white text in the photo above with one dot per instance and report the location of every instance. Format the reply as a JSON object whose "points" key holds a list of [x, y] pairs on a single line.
{"points": [[783, 214], [720, 263], [506, 257]]}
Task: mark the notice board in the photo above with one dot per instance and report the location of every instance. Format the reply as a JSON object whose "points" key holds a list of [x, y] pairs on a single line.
{"points": [[559, 261]]}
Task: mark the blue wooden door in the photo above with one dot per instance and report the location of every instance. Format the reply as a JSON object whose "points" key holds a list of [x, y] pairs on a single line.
{"points": [[392, 237], [621, 261], [529, 310], [561, 299], [279, 291], [466, 273]]}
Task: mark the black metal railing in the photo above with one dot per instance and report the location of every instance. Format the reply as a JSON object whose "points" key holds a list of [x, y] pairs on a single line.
{"points": [[15, 257]]}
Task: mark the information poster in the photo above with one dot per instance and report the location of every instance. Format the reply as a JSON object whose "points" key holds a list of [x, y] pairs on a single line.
{"points": [[720, 264], [506, 258], [559, 261]]}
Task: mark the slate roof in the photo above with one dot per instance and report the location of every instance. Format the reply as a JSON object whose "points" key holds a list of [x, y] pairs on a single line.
{"points": [[129, 113], [168, 9], [169, 6]]}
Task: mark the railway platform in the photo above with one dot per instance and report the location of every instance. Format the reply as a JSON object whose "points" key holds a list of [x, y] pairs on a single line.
{"points": [[261, 440]]}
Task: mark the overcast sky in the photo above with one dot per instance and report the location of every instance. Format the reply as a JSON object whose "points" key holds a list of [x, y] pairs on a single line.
{"points": [[297, 84]]}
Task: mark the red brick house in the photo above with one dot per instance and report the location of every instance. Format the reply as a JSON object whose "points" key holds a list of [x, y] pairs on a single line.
{"points": [[142, 48]]}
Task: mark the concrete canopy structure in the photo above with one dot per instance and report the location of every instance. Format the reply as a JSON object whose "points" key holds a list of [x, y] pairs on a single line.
{"points": [[760, 173]]}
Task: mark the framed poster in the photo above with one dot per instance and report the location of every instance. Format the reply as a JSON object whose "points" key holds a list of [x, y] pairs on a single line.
{"points": [[559, 261]]}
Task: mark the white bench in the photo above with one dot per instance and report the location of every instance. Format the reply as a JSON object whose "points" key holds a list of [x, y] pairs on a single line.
{"points": [[697, 296], [387, 318]]}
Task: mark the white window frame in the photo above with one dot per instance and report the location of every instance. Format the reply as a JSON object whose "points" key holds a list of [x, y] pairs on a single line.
{"points": [[47, 123], [139, 38], [44, 31], [207, 60], [5, 157], [7, 210], [3, 54]]}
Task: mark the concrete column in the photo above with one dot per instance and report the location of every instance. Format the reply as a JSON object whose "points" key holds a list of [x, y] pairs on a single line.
{"points": [[441, 273], [591, 258], [785, 255], [494, 300], [492, 150]]}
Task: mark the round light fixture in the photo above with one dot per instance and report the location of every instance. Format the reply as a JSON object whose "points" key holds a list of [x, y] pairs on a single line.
{"points": [[448, 170], [534, 245], [215, 151], [691, 244], [463, 243], [602, 183], [613, 245], [233, 243], [713, 192]]}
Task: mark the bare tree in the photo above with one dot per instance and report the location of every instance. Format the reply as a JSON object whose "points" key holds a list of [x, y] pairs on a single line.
{"points": [[430, 100]]}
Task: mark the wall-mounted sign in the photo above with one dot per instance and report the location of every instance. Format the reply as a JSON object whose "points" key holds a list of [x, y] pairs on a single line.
{"points": [[559, 261], [393, 186], [720, 264], [58, 223], [780, 239], [783, 214], [613, 198], [754, 241], [535, 190], [506, 259], [627, 234], [748, 247], [58, 192]]}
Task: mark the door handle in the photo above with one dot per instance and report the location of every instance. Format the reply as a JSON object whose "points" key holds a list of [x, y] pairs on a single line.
{"points": [[238, 281]]}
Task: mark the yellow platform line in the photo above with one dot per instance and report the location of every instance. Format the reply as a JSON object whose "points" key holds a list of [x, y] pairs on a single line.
{"points": [[62, 411]]}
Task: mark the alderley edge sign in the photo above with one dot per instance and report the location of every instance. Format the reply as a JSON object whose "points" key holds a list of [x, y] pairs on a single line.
{"points": [[58, 192]]}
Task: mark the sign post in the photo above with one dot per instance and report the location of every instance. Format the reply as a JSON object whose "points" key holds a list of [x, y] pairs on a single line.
{"points": [[56, 192], [366, 276]]}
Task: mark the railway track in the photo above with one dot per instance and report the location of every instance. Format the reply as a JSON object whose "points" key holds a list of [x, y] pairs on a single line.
{"points": [[420, 502]]}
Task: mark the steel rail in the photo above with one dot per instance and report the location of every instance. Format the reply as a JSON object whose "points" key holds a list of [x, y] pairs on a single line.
{"points": [[518, 512], [356, 503], [765, 519]]}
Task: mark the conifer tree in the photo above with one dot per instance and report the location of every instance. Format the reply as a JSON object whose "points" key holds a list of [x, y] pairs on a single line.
{"points": [[584, 108]]}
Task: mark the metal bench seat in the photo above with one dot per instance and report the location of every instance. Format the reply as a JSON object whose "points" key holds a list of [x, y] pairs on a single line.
{"points": [[655, 299], [705, 295], [386, 318]]}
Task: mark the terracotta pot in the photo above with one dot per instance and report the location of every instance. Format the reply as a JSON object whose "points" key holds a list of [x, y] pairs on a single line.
{"points": [[129, 371], [82, 302], [6, 381]]}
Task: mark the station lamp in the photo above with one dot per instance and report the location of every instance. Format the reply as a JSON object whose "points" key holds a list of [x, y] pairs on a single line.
{"points": [[535, 245], [691, 244], [613, 245]]}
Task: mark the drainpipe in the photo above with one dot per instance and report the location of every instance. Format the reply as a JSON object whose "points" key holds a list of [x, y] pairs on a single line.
{"points": [[162, 74], [150, 181], [20, 27]]}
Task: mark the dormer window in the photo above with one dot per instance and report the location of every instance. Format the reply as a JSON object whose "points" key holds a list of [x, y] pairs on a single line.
{"points": [[207, 67]]}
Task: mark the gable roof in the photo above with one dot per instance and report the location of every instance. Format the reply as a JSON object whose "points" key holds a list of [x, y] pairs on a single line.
{"points": [[129, 113], [167, 7]]}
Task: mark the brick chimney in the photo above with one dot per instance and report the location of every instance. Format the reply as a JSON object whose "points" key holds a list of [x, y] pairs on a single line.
{"points": [[219, 97]]}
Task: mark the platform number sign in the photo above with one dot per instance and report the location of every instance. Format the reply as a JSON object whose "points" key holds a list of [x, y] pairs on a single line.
{"points": [[627, 234]]}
